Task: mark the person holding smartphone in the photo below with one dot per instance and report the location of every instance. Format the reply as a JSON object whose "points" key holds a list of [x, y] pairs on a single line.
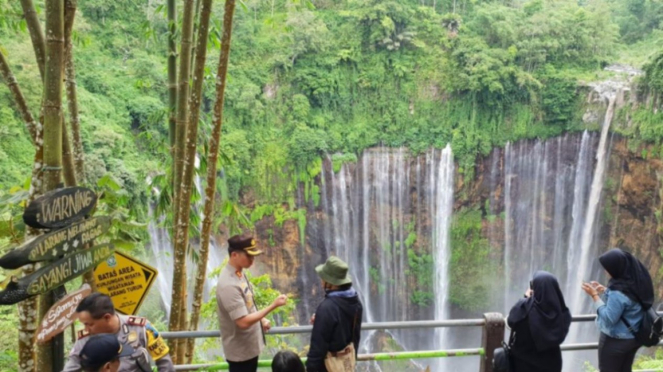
{"points": [[540, 322], [630, 291]]}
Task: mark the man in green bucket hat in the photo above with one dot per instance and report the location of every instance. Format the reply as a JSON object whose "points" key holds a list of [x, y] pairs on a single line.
{"points": [[336, 322]]}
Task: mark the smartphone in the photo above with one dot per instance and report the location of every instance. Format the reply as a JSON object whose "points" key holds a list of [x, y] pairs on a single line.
{"points": [[531, 284]]}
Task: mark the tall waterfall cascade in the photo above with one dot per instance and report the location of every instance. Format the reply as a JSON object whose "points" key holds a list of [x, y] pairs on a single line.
{"points": [[378, 214]]}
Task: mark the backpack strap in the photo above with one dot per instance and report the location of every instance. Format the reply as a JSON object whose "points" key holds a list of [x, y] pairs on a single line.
{"points": [[628, 325]]}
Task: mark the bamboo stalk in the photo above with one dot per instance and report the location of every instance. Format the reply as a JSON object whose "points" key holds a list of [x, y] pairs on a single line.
{"points": [[68, 169], [191, 141], [172, 74], [36, 35], [14, 88], [180, 246], [70, 85], [52, 133]]}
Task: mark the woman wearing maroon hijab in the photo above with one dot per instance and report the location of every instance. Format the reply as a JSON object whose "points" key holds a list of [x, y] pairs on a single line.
{"points": [[540, 322]]}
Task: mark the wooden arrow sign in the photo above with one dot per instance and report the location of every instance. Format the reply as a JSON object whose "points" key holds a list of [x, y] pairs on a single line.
{"points": [[54, 275], [65, 269], [61, 315], [60, 207], [57, 243]]}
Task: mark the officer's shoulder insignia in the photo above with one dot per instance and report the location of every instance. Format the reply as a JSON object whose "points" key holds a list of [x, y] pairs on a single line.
{"points": [[82, 334], [137, 321]]}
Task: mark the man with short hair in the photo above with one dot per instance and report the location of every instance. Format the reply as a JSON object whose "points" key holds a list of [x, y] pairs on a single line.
{"points": [[98, 315], [102, 353], [242, 324]]}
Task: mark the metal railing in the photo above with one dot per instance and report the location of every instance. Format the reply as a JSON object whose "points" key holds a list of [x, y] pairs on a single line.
{"points": [[493, 325]]}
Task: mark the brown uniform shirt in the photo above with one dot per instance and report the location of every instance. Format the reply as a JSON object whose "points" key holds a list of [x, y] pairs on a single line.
{"points": [[234, 298]]}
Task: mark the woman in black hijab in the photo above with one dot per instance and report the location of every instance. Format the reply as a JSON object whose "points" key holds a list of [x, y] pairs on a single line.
{"points": [[541, 322], [630, 291]]}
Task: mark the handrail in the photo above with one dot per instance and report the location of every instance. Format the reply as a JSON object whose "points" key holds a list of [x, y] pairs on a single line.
{"points": [[493, 325], [450, 323]]}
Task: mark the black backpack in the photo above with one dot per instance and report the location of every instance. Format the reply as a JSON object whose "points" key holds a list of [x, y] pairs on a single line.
{"points": [[651, 328]]}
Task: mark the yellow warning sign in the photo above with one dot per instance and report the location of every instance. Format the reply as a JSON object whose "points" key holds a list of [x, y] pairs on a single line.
{"points": [[126, 280]]}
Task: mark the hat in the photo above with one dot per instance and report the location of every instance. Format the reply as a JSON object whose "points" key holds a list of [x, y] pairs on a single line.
{"points": [[244, 243], [334, 271], [101, 349]]}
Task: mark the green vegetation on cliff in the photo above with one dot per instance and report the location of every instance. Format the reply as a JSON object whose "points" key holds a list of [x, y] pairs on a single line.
{"points": [[315, 77]]}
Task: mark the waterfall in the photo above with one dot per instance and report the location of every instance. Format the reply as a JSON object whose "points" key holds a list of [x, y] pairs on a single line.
{"points": [[442, 209], [380, 213], [162, 249], [545, 192], [584, 249]]}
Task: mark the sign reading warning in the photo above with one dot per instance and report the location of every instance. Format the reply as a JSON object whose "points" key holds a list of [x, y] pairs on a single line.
{"points": [[126, 280]]}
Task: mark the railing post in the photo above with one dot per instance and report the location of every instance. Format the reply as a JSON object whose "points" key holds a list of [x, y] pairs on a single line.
{"points": [[491, 339]]}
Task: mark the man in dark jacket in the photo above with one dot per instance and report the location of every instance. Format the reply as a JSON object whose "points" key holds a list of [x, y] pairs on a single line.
{"points": [[337, 321]]}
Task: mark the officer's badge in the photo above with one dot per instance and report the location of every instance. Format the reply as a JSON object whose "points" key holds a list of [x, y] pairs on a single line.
{"points": [[137, 321], [133, 336]]}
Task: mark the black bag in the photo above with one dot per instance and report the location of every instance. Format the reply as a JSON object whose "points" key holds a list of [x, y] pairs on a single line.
{"points": [[651, 328], [502, 355]]}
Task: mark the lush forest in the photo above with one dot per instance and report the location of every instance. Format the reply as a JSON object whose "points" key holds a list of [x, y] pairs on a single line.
{"points": [[314, 78]]}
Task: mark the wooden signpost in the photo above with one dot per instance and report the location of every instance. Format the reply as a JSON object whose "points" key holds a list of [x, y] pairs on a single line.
{"points": [[59, 208], [126, 280], [61, 315], [57, 243], [55, 274], [63, 212]]}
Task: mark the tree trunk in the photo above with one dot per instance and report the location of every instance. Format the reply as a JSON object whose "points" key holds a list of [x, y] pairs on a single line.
{"points": [[36, 35], [212, 158], [179, 270], [68, 169], [183, 95], [52, 133], [172, 76], [191, 141], [27, 309], [12, 84], [72, 105], [70, 85]]}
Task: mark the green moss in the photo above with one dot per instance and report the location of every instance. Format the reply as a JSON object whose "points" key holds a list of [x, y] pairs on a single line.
{"points": [[470, 266]]}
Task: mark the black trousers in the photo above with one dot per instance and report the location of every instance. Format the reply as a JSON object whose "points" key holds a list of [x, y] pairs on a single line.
{"points": [[250, 365], [616, 355]]}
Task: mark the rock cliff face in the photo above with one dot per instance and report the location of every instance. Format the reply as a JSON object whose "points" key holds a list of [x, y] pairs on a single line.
{"points": [[629, 214]]}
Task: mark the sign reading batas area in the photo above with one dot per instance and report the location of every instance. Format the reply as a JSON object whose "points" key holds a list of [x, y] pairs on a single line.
{"points": [[126, 280]]}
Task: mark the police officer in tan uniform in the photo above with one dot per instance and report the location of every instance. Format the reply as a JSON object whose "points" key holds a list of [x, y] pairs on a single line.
{"points": [[97, 313], [242, 324]]}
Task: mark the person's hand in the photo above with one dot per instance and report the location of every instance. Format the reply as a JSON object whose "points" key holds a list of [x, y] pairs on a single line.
{"points": [[266, 324], [598, 286], [313, 318], [590, 290], [280, 300], [529, 293]]}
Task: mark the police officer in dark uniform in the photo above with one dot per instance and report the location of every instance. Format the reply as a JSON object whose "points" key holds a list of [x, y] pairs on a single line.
{"points": [[97, 313]]}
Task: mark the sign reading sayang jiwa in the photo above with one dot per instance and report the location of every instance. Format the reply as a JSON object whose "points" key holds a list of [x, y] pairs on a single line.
{"points": [[126, 280], [60, 207], [61, 315], [57, 243], [65, 269]]}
